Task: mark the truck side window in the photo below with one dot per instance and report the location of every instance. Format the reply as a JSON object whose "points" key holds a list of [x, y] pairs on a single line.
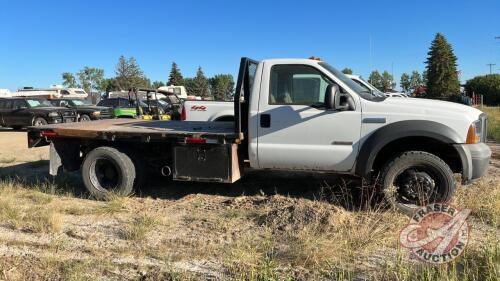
{"points": [[19, 104], [8, 104], [297, 84]]}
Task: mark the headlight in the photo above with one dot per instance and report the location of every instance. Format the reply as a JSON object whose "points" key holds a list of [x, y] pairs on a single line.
{"points": [[53, 114], [474, 132], [96, 113]]}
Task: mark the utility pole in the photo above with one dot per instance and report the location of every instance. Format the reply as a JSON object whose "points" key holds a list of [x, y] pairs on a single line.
{"points": [[491, 66]]}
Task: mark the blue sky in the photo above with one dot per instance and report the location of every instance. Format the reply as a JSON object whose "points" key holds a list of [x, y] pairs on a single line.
{"points": [[41, 39]]}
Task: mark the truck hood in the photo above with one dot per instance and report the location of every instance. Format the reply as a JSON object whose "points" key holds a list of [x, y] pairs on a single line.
{"points": [[93, 108], [432, 108], [455, 116]]}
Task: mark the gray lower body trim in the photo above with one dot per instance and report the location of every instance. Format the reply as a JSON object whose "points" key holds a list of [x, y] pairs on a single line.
{"points": [[475, 160]]}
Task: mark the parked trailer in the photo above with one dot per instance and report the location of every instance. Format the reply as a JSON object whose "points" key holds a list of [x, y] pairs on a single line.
{"points": [[290, 114]]}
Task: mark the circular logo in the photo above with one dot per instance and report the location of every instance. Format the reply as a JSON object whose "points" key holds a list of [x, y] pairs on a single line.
{"points": [[437, 233]]}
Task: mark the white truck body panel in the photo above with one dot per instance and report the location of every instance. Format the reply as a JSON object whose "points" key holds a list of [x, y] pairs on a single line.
{"points": [[208, 110]]}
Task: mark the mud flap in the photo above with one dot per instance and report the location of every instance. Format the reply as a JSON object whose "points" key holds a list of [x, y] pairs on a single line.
{"points": [[64, 154], [55, 160]]}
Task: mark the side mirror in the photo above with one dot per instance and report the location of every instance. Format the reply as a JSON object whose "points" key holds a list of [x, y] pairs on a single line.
{"points": [[332, 98], [332, 91]]}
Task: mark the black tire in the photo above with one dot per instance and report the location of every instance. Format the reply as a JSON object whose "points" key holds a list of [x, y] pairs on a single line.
{"points": [[39, 121], [85, 118], [414, 179], [106, 171]]}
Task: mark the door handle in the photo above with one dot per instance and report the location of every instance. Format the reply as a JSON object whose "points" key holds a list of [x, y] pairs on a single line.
{"points": [[265, 120]]}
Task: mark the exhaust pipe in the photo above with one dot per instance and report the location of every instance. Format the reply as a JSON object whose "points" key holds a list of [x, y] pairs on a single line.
{"points": [[166, 171]]}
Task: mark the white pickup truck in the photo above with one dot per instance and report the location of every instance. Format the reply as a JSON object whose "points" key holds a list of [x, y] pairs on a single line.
{"points": [[291, 114]]}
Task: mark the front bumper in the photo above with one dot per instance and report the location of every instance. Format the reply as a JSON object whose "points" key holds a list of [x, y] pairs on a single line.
{"points": [[58, 120], [475, 160]]}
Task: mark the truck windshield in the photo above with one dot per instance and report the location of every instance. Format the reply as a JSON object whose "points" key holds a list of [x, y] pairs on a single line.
{"points": [[79, 102], [38, 103], [363, 92]]}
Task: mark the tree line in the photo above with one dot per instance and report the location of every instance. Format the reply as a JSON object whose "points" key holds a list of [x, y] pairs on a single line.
{"points": [[129, 74], [440, 76]]}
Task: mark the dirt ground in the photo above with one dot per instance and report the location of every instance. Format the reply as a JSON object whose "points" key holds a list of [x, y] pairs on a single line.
{"points": [[268, 224]]}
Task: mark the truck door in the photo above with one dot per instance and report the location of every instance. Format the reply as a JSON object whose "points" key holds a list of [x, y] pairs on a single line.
{"points": [[3, 110], [20, 114], [295, 130], [7, 112]]}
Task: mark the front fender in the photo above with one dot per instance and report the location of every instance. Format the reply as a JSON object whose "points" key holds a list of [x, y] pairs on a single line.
{"points": [[397, 130]]}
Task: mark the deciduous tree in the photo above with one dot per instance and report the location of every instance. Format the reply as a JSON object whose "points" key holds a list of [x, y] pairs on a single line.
{"points": [[415, 80], [376, 79], [91, 79], [347, 70], [157, 84], [488, 86], [405, 82], [387, 81], [69, 80]]}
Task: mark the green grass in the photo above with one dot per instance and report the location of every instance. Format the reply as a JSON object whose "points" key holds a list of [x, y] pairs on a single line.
{"points": [[493, 122]]}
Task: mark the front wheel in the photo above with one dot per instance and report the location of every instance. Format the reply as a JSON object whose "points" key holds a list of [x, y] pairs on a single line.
{"points": [[415, 179], [107, 170], [39, 121], [85, 118]]}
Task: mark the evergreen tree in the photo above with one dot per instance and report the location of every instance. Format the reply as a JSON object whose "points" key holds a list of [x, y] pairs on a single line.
{"points": [[415, 80], [375, 79], [405, 82], [387, 81], [189, 85], [347, 70], [175, 78], [222, 86], [424, 77], [200, 84], [442, 78]]}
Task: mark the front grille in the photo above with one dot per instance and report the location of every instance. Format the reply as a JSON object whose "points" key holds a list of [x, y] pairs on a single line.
{"points": [[106, 113]]}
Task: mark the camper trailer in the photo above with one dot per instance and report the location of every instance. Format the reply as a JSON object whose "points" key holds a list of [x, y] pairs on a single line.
{"points": [[53, 92]]}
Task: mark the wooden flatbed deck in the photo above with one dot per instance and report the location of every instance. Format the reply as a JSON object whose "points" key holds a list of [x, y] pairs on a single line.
{"points": [[114, 129]]}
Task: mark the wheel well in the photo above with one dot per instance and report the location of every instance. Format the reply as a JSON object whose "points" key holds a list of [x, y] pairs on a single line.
{"points": [[224, 118], [443, 150]]}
